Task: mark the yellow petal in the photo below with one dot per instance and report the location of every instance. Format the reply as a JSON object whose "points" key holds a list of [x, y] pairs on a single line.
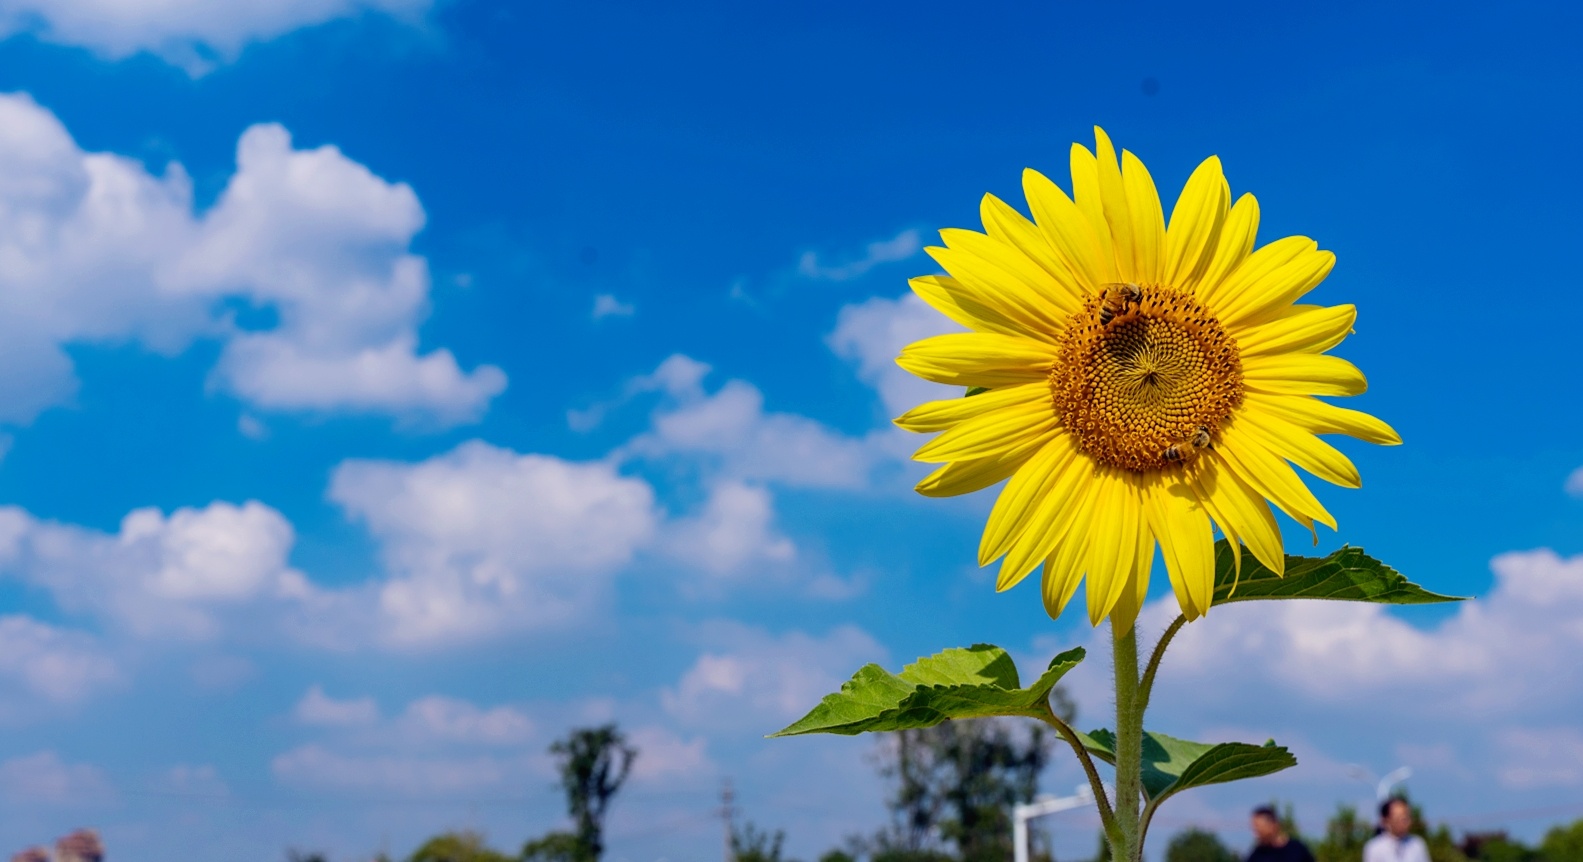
{"points": [[947, 296], [1059, 285], [1269, 474], [1261, 289], [1115, 540], [1049, 522], [1320, 417], [1302, 374], [1063, 569], [1086, 195], [1301, 448], [1068, 231], [1302, 329], [996, 275], [946, 413], [1187, 542], [979, 359], [965, 477], [1195, 225], [991, 433], [1045, 476], [1113, 198], [1243, 510], [1146, 221], [1232, 247], [1132, 597]]}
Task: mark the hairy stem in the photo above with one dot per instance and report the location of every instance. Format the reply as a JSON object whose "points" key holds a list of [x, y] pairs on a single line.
{"points": [[1129, 745], [1146, 688], [1107, 817]]}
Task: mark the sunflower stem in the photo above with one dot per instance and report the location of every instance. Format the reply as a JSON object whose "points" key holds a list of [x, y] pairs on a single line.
{"points": [[1129, 745], [1146, 688]]}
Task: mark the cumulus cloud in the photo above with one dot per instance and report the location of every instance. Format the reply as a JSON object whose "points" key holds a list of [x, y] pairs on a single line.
{"points": [[315, 766], [1574, 485], [53, 663], [899, 247], [94, 249], [193, 34], [731, 434], [44, 779], [445, 719], [750, 677], [665, 756], [180, 575], [871, 334], [606, 305], [483, 539], [318, 708], [735, 528]]}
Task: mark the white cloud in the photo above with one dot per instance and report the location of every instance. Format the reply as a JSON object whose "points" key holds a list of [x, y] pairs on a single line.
{"points": [[201, 781], [730, 432], [315, 766], [53, 663], [665, 756], [750, 678], [872, 333], [94, 249], [317, 708], [483, 539], [444, 719], [176, 576], [1541, 757], [1574, 484], [606, 305], [734, 530], [44, 779], [900, 247], [193, 34]]}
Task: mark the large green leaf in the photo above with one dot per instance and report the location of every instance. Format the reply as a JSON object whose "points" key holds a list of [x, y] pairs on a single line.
{"points": [[1347, 575], [974, 682], [1171, 765]]}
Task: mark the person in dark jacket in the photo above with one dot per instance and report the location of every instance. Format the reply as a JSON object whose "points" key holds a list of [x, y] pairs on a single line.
{"points": [[1270, 841]]}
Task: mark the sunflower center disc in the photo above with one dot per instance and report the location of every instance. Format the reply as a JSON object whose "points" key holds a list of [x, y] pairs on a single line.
{"points": [[1143, 374]]}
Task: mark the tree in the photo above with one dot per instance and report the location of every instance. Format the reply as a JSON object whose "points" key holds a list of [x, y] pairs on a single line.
{"points": [[750, 844], [1197, 845], [457, 847], [594, 762], [956, 783], [1345, 835], [1563, 843]]}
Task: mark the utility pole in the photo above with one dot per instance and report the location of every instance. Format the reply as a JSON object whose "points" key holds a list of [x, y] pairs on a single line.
{"points": [[728, 813], [1021, 814]]}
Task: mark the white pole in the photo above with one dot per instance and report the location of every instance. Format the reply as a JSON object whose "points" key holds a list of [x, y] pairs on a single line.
{"points": [[1021, 814]]}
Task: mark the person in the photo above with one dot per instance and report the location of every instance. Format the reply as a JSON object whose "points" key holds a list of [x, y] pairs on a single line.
{"points": [[1270, 841], [1396, 841]]}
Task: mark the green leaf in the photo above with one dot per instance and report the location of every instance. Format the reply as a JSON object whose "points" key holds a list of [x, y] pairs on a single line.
{"points": [[974, 682], [975, 390], [1347, 575], [1171, 765]]}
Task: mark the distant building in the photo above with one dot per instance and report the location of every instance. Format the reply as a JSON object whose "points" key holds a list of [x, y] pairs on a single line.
{"points": [[80, 846], [32, 854]]}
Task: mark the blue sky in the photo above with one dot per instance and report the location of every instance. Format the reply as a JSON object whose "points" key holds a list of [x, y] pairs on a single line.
{"points": [[389, 385]]}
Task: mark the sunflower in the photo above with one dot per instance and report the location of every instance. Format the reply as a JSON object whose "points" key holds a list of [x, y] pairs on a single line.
{"points": [[1137, 382]]}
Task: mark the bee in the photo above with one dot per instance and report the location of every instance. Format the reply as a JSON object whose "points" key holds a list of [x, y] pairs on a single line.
{"points": [[1187, 449], [1114, 297]]}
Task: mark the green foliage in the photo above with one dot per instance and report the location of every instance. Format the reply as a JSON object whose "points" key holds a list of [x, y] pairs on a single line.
{"points": [[1563, 843], [955, 785], [1345, 835], [1347, 575], [594, 762], [457, 847], [837, 856], [975, 682], [553, 847], [1196, 845], [1171, 765], [295, 855], [750, 844]]}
